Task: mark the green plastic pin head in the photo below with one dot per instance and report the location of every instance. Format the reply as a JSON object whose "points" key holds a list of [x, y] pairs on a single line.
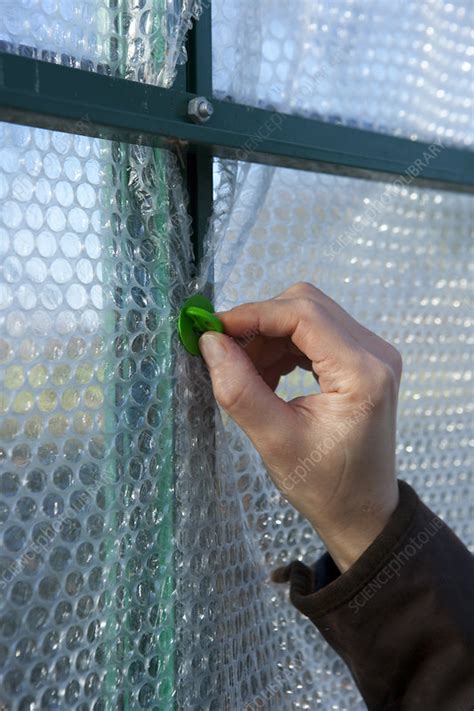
{"points": [[196, 317]]}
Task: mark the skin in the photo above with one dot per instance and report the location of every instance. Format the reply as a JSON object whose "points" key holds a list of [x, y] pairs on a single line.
{"points": [[330, 453]]}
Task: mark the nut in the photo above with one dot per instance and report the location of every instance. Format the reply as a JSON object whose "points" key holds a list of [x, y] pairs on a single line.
{"points": [[200, 109]]}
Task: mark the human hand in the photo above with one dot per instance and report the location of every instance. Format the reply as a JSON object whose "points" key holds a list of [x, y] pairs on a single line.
{"points": [[331, 454]]}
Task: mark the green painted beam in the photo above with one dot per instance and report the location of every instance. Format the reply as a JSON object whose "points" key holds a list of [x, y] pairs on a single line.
{"points": [[52, 96], [199, 164]]}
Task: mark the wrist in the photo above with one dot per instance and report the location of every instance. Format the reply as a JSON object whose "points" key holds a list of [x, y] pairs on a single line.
{"points": [[346, 540]]}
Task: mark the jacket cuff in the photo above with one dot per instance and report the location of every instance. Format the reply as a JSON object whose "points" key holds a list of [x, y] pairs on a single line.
{"points": [[318, 590]]}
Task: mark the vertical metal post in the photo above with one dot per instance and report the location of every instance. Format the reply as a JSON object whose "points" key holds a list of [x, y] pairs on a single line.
{"points": [[199, 165]]}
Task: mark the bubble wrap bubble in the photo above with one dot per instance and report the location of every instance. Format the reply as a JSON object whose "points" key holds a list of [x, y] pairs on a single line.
{"points": [[140, 41], [402, 67]]}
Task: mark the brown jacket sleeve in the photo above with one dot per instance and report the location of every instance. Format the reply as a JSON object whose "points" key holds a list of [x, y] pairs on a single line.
{"points": [[402, 617]]}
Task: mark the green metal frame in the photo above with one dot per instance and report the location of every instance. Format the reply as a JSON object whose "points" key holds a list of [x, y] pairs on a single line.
{"points": [[199, 163], [52, 96]]}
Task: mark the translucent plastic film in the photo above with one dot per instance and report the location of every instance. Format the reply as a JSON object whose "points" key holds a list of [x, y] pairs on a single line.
{"points": [[140, 41], [91, 238], [94, 251], [138, 531], [128, 575], [402, 67], [398, 259]]}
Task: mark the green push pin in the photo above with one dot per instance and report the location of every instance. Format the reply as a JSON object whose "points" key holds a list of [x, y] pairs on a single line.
{"points": [[196, 317]]}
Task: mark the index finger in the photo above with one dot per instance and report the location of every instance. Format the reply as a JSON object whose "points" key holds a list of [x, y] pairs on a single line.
{"points": [[306, 323]]}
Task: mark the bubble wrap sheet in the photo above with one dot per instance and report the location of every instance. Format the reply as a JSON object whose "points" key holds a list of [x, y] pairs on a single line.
{"points": [[138, 529], [86, 439], [402, 67], [405, 271]]}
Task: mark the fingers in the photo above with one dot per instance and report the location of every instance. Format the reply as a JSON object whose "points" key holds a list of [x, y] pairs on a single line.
{"points": [[267, 351], [242, 392], [306, 324], [367, 339], [274, 357]]}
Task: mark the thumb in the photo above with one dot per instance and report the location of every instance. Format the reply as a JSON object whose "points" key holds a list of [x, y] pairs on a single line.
{"points": [[242, 392]]}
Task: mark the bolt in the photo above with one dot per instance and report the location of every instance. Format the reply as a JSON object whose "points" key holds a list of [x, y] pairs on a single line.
{"points": [[200, 109]]}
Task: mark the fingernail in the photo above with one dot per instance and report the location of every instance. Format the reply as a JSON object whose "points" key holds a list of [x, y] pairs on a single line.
{"points": [[212, 349]]}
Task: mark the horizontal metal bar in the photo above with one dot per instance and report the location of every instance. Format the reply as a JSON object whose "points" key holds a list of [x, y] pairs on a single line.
{"points": [[52, 96]]}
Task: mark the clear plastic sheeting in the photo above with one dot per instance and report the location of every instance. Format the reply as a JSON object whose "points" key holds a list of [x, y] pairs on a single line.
{"points": [[397, 258], [403, 67], [139, 41], [128, 578], [89, 234], [95, 256]]}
